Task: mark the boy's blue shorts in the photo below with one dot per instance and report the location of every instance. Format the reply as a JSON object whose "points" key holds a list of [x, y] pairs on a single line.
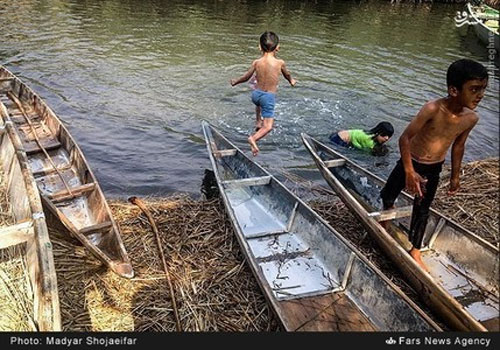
{"points": [[266, 101]]}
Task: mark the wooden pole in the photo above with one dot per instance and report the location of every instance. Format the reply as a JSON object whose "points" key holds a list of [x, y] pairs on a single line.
{"points": [[25, 115], [142, 206]]}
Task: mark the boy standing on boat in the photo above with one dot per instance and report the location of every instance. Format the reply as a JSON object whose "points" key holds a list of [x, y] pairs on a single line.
{"points": [[423, 145], [267, 70]]}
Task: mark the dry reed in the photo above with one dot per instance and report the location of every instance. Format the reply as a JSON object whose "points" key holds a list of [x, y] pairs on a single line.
{"points": [[215, 289]]}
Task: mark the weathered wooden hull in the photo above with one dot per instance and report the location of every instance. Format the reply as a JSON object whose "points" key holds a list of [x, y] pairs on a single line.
{"points": [[29, 228], [313, 278], [485, 34], [68, 188], [463, 284]]}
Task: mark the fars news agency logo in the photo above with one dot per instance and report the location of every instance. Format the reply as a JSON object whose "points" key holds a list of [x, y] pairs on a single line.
{"points": [[464, 18], [390, 341]]}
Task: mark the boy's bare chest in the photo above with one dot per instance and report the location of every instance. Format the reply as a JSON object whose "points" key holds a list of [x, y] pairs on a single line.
{"points": [[447, 126]]}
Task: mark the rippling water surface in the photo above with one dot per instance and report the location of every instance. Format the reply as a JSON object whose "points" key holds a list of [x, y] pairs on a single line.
{"points": [[133, 79]]}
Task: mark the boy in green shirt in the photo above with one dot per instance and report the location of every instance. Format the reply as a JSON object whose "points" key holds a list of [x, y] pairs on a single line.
{"points": [[365, 140]]}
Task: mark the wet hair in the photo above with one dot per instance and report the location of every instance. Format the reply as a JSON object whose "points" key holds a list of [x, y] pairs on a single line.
{"points": [[380, 150], [382, 129], [269, 41], [461, 71]]}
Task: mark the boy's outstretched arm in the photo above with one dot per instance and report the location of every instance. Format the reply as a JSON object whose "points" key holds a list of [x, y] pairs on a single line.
{"points": [[287, 75], [245, 76], [413, 179], [457, 153]]}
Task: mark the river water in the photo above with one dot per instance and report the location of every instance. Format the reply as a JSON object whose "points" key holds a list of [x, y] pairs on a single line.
{"points": [[133, 79]]}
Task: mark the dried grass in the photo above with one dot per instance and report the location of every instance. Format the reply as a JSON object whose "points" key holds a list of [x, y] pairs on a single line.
{"points": [[15, 293], [215, 289]]}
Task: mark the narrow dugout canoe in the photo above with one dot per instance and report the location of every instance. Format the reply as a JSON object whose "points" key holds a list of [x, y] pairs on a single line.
{"points": [[463, 284], [67, 186], [30, 230], [485, 25], [313, 278]]}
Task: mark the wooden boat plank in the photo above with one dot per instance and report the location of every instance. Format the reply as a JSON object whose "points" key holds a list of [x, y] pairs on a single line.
{"points": [[75, 191], [391, 214], [333, 313]]}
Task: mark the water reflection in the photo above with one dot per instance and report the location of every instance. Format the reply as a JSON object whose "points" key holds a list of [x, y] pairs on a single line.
{"points": [[133, 79]]}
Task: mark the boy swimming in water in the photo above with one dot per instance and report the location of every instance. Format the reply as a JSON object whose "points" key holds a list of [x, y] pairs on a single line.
{"points": [[267, 70], [424, 143], [371, 140]]}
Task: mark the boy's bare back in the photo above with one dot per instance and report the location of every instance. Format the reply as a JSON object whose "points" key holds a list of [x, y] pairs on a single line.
{"points": [[267, 71], [436, 128]]}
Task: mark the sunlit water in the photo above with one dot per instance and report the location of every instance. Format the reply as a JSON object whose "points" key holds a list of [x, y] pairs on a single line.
{"points": [[133, 79]]}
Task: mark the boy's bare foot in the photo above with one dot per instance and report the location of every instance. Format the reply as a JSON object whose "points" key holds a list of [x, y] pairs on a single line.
{"points": [[253, 146], [415, 254]]}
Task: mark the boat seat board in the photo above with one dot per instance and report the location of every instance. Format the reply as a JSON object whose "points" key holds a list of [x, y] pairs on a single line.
{"points": [[97, 227], [391, 213], [225, 153], [251, 181], [334, 163], [47, 144], [75, 191], [329, 312]]}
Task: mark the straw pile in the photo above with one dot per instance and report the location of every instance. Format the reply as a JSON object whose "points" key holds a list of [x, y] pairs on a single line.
{"points": [[476, 205], [214, 288], [15, 297]]}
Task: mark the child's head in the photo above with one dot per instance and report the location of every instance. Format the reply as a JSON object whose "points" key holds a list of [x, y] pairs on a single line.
{"points": [[467, 81], [269, 41], [382, 132]]}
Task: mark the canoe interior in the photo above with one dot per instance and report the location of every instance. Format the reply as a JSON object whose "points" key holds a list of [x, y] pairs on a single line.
{"points": [[67, 186], [465, 265], [24, 237], [301, 263]]}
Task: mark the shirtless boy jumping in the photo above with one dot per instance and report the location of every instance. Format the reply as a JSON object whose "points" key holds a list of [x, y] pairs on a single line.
{"points": [[424, 143], [267, 70]]}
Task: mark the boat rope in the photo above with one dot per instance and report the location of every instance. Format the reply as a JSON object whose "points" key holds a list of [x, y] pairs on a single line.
{"points": [[25, 115]]}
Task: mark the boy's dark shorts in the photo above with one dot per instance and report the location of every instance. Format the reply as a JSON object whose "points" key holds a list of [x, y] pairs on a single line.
{"points": [[397, 181]]}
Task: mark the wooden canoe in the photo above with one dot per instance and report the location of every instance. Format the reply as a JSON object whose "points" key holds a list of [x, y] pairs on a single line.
{"points": [[463, 284], [29, 229], [485, 23], [67, 186], [313, 278]]}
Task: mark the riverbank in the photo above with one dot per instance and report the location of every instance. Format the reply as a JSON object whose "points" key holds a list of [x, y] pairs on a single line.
{"points": [[214, 288]]}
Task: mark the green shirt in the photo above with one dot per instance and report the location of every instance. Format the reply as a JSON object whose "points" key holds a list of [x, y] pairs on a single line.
{"points": [[360, 139]]}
